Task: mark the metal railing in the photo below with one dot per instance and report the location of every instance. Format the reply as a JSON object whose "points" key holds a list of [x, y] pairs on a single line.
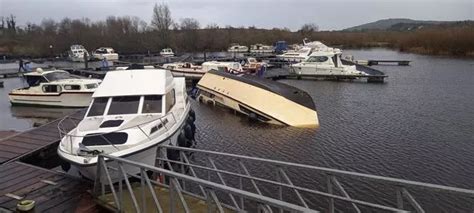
{"points": [[178, 196], [202, 164]]}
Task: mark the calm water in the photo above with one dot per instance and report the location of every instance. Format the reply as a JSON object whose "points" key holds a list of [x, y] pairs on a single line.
{"points": [[419, 125]]}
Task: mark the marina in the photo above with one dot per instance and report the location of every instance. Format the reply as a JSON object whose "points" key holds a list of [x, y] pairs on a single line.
{"points": [[319, 150]]}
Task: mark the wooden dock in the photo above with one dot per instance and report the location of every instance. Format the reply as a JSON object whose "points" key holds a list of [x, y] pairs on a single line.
{"points": [[396, 62], [52, 191], [32, 141]]}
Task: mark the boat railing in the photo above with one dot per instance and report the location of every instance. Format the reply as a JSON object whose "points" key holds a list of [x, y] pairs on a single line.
{"points": [[338, 188], [169, 195], [66, 124]]}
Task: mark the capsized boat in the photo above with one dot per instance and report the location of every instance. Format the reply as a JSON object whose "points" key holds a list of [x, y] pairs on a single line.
{"points": [[325, 63], [167, 52], [130, 121], [261, 99], [54, 88], [106, 53]]}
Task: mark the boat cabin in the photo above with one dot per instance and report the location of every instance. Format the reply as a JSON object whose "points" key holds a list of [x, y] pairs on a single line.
{"points": [[112, 99], [325, 58], [221, 66]]}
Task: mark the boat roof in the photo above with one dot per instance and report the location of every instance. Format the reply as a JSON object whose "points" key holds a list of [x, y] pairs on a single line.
{"points": [[41, 73], [135, 82], [289, 92]]}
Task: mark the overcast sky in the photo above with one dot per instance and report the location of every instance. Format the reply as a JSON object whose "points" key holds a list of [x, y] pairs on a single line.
{"points": [[328, 14]]}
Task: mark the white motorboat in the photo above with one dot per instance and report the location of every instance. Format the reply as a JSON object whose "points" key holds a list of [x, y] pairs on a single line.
{"points": [[130, 121], [235, 48], [252, 64], [260, 48], [54, 88], [167, 52], [188, 70], [297, 55], [302, 53], [76, 53], [259, 98], [106, 53], [325, 63]]}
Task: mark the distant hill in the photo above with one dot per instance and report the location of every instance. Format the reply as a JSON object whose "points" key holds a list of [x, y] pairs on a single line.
{"points": [[394, 24]]}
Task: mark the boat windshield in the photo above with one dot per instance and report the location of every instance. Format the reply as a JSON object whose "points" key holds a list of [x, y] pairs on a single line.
{"points": [[124, 105], [98, 106], [54, 76]]}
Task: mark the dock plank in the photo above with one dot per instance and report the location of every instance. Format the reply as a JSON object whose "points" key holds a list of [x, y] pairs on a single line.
{"points": [[65, 195]]}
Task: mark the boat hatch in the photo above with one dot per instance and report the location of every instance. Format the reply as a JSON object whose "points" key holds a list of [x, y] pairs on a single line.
{"points": [[105, 139], [111, 123]]}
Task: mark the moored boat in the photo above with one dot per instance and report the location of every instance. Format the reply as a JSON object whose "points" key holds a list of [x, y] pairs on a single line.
{"points": [[260, 48], [77, 53], [54, 88], [130, 121], [167, 52], [236, 48], [188, 70], [106, 53], [260, 99], [325, 63]]}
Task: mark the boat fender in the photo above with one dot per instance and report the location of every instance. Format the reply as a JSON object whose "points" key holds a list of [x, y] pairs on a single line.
{"points": [[253, 116], [173, 154], [65, 166], [182, 138], [188, 132], [192, 114]]}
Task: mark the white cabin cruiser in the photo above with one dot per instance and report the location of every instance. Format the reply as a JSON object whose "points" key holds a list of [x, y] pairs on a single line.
{"points": [[297, 55], [237, 49], [54, 88], [130, 122], [76, 53], [167, 52], [106, 53], [260, 48], [188, 70], [325, 63]]}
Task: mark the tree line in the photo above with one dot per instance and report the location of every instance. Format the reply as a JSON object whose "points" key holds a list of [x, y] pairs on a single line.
{"points": [[130, 35]]}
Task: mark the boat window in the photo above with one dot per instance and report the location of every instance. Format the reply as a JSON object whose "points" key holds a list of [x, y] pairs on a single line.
{"points": [[52, 88], [91, 86], [35, 80], [54, 76], [105, 139], [152, 104], [317, 59], [98, 106], [72, 87], [170, 100], [124, 105]]}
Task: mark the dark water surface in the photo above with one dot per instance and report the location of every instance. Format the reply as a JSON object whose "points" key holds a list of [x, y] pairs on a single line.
{"points": [[419, 125]]}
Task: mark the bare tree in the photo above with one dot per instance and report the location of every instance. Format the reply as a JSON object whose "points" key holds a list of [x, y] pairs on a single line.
{"points": [[189, 24], [161, 22], [308, 29]]}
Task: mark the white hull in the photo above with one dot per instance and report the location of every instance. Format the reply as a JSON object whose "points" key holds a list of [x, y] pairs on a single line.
{"points": [[108, 57], [147, 157], [340, 71], [65, 99]]}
